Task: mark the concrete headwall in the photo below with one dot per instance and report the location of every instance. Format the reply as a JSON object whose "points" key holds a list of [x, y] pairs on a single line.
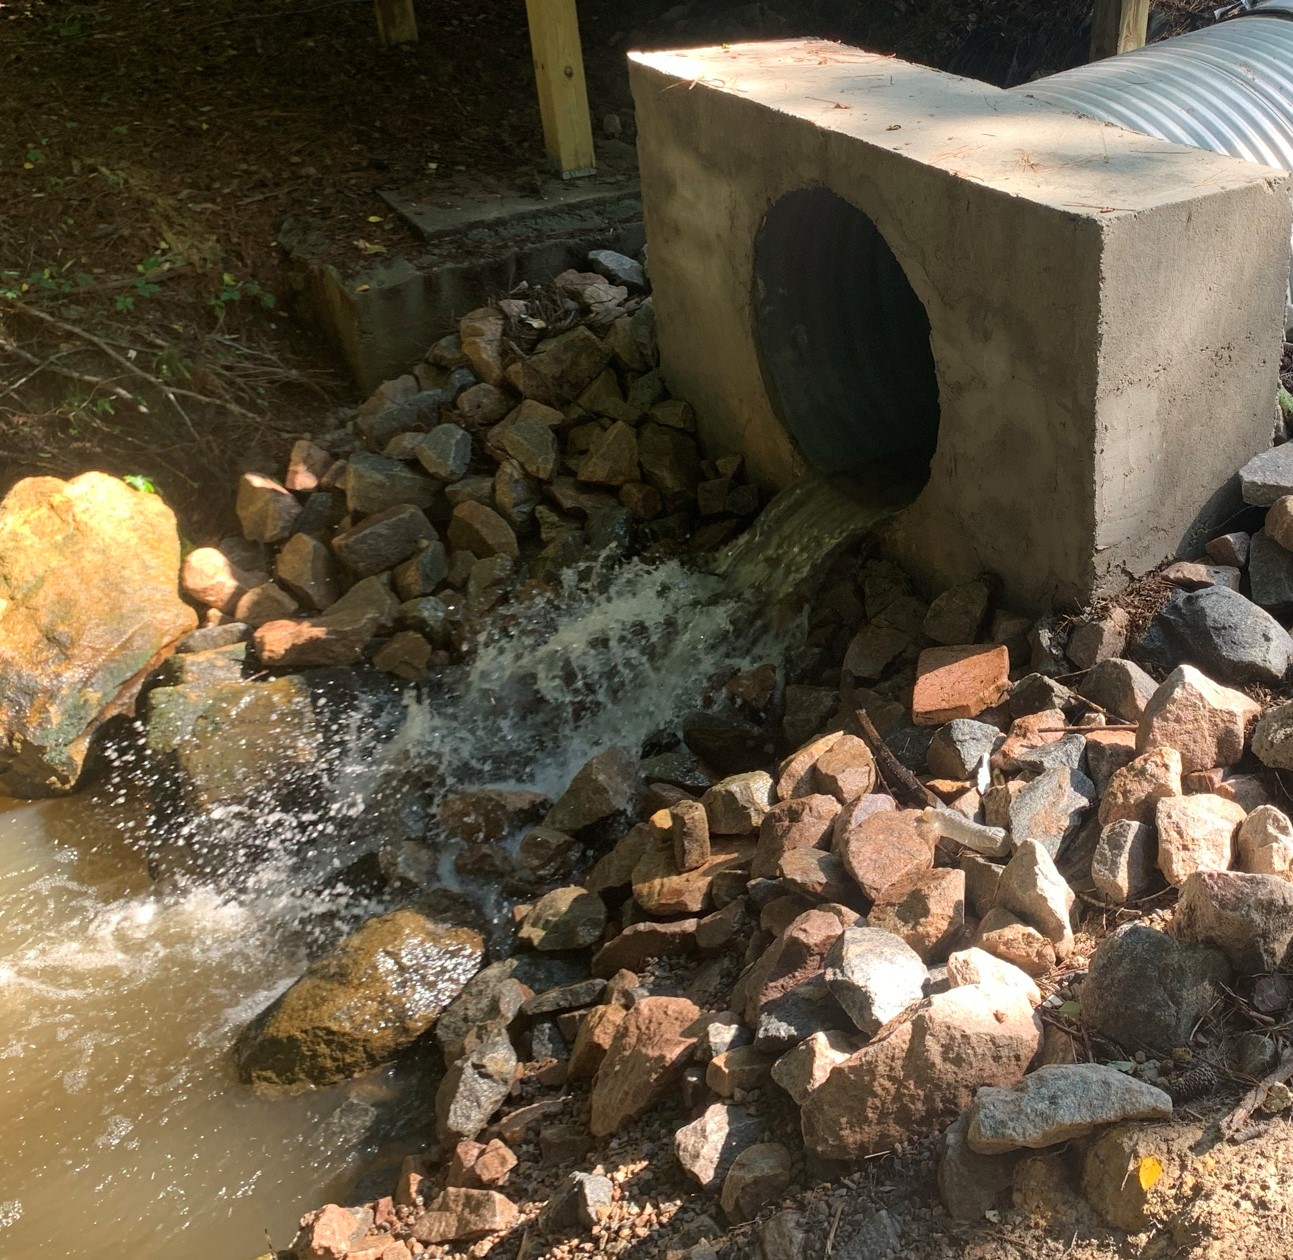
{"points": [[1105, 310]]}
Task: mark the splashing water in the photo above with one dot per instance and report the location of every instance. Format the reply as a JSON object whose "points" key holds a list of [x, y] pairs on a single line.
{"points": [[126, 1133]]}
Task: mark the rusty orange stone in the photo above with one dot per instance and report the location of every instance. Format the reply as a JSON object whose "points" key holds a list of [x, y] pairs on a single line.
{"points": [[958, 682]]}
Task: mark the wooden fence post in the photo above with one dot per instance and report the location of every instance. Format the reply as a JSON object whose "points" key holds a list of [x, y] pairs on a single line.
{"points": [[1118, 26], [396, 22], [563, 94]]}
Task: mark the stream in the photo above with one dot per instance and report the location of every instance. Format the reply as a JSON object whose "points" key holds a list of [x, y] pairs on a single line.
{"points": [[126, 1132]]}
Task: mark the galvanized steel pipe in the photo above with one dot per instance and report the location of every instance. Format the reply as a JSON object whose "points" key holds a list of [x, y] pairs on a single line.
{"points": [[1227, 88]]}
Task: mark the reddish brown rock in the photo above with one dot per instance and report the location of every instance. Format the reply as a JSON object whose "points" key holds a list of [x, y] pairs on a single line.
{"points": [[1204, 721], [461, 1215], [846, 770], [210, 578], [958, 682], [1134, 791], [795, 775], [926, 910], [315, 642], [797, 954], [689, 826], [641, 942], [1015, 942], [802, 823], [884, 848], [645, 1059], [265, 509], [921, 1071], [593, 1040], [330, 1232], [660, 888]]}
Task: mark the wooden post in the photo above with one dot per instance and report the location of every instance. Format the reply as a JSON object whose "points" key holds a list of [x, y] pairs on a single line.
{"points": [[396, 22], [1118, 26], [563, 94]]}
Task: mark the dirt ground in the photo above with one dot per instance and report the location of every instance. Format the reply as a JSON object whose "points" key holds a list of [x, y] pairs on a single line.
{"points": [[152, 149]]}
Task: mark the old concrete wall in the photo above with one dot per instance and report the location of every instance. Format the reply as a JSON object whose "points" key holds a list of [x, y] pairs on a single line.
{"points": [[1035, 239]]}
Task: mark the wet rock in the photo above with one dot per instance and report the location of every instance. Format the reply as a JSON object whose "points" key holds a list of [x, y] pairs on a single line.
{"points": [[884, 848], [1120, 687], [234, 741], [383, 540], [958, 748], [970, 1184], [646, 1058], [1146, 990], [1248, 917], [735, 806], [566, 918], [600, 797], [1196, 833], [759, 1174], [266, 510], [1051, 808], [330, 1232], [1016, 942], [373, 483], [1125, 858], [88, 571], [305, 566], [481, 531], [421, 575], [580, 1202], [371, 996], [474, 1088], [925, 1068], [1134, 791], [669, 462], [1058, 1104], [801, 1070], [1204, 721], [1265, 842], [977, 966], [958, 682], [316, 642], [1273, 738], [874, 976], [488, 815], [925, 910], [1227, 636], [726, 743], [613, 458], [461, 1215]]}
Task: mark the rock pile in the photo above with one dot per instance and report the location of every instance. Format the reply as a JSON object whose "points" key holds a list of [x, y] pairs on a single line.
{"points": [[800, 959], [538, 436]]}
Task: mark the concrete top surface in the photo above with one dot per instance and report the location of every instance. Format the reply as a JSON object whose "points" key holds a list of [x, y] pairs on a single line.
{"points": [[1003, 140]]}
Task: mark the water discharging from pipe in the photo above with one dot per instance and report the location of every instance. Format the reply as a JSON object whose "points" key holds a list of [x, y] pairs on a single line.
{"points": [[125, 1131]]}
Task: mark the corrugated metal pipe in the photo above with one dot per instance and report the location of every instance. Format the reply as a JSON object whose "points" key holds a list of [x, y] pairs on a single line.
{"points": [[1227, 88]]}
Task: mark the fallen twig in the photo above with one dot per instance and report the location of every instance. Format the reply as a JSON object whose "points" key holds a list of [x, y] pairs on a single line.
{"points": [[905, 788]]}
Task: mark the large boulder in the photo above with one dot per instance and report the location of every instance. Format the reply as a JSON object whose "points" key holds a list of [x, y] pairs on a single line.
{"points": [[89, 606], [373, 995], [921, 1070]]}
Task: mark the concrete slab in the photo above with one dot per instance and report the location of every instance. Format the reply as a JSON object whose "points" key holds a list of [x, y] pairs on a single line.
{"points": [[1105, 311]]}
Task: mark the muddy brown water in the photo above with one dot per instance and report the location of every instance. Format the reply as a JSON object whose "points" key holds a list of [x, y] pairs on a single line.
{"points": [[125, 1130]]}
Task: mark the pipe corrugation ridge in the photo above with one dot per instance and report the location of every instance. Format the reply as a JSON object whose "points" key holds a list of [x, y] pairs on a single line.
{"points": [[1227, 88]]}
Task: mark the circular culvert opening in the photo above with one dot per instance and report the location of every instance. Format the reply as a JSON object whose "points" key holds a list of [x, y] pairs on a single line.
{"points": [[843, 338]]}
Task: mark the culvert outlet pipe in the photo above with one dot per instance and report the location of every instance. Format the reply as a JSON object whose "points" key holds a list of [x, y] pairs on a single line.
{"points": [[1227, 88]]}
